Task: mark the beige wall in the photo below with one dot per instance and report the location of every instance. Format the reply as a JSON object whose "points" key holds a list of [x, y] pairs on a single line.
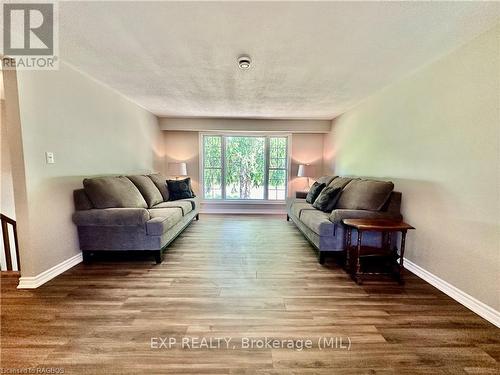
{"points": [[184, 146], [244, 125], [7, 206], [92, 130], [6, 186], [306, 149], [436, 135]]}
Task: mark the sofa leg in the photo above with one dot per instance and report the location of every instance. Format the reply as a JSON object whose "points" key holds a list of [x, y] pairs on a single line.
{"points": [[287, 218], [86, 255], [158, 256], [197, 217], [321, 257]]}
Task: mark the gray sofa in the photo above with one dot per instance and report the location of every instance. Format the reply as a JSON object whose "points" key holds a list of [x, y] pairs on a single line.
{"points": [[359, 198], [130, 213]]}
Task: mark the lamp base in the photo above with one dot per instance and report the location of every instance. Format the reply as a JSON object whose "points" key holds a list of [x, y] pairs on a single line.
{"points": [[308, 186]]}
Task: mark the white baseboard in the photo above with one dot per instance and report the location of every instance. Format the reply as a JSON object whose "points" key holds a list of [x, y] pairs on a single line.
{"points": [[480, 308], [32, 282]]}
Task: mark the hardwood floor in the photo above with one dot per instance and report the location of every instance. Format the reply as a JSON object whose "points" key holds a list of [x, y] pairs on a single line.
{"points": [[237, 277]]}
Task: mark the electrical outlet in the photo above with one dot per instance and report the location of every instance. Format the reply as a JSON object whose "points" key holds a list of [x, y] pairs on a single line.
{"points": [[49, 158]]}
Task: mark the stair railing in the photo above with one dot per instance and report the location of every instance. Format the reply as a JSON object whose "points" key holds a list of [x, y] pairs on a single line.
{"points": [[6, 221]]}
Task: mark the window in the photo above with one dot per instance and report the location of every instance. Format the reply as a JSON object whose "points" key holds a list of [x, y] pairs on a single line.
{"points": [[212, 167], [278, 162], [245, 167]]}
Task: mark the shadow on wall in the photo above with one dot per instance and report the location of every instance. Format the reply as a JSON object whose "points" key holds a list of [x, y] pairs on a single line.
{"points": [[426, 206], [329, 153], [450, 233], [51, 230], [158, 158]]}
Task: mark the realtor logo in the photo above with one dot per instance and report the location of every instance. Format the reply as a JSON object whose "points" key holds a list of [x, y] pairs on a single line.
{"points": [[29, 36]]}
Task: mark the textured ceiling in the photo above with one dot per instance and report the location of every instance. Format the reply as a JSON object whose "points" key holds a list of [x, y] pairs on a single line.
{"points": [[310, 60]]}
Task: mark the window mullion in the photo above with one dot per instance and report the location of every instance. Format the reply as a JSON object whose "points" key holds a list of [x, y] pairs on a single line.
{"points": [[223, 166], [266, 168], [287, 165], [202, 164]]}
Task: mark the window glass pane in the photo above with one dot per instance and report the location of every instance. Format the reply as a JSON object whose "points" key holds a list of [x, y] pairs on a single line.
{"points": [[277, 184], [212, 152], [212, 183], [277, 152], [245, 167]]}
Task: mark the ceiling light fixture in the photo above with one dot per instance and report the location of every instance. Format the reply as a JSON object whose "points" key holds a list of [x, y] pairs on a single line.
{"points": [[244, 62]]}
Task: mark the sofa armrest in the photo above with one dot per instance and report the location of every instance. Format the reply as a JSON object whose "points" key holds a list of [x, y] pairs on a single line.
{"points": [[301, 194], [338, 215], [111, 217], [195, 202]]}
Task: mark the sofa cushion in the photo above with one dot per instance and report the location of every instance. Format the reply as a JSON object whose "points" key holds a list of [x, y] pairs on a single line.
{"points": [[113, 192], [300, 205], [147, 188], [180, 189], [185, 205], [365, 195], [326, 179], [111, 217], [318, 222], [341, 182], [162, 219], [314, 192], [393, 204], [160, 182], [327, 199], [195, 202], [338, 215], [82, 201]]}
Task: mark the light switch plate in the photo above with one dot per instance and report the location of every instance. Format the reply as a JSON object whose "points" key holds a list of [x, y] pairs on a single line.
{"points": [[49, 157]]}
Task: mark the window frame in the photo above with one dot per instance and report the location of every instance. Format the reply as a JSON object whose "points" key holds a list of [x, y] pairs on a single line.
{"points": [[267, 136]]}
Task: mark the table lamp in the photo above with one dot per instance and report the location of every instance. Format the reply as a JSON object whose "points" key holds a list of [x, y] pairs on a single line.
{"points": [[306, 170], [177, 169]]}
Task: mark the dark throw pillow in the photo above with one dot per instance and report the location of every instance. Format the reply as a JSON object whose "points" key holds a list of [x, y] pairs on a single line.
{"points": [[327, 199], [314, 192], [180, 189]]}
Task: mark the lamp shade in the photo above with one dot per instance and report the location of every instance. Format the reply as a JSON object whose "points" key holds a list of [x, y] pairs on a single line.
{"points": [[305, 170], [177, 169]]}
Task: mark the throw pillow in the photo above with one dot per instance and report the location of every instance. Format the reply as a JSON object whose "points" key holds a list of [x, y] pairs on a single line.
{"points": [[180, 189], [326, 179], [327, 199], [365, 195], [160, 181], [314, 192], [147, 188], [113, 192]]}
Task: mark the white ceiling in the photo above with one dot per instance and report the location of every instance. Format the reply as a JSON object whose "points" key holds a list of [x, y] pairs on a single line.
{"points": [[310, 59]]}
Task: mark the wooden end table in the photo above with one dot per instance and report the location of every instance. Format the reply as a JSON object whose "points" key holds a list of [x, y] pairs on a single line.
{"points": [[386, 227]]}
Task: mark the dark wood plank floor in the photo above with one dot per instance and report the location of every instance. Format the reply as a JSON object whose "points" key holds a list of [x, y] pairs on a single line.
{"points": [[239, 276]]}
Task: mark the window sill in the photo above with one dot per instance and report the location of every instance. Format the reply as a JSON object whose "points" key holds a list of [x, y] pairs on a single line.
{"points": [[240, 201]]}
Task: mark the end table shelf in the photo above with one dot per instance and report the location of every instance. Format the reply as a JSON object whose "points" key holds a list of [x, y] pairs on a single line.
{"points": [[386, 228]]}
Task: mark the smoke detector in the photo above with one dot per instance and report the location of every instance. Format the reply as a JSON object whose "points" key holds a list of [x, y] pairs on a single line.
{"points": [[244, 62]]}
